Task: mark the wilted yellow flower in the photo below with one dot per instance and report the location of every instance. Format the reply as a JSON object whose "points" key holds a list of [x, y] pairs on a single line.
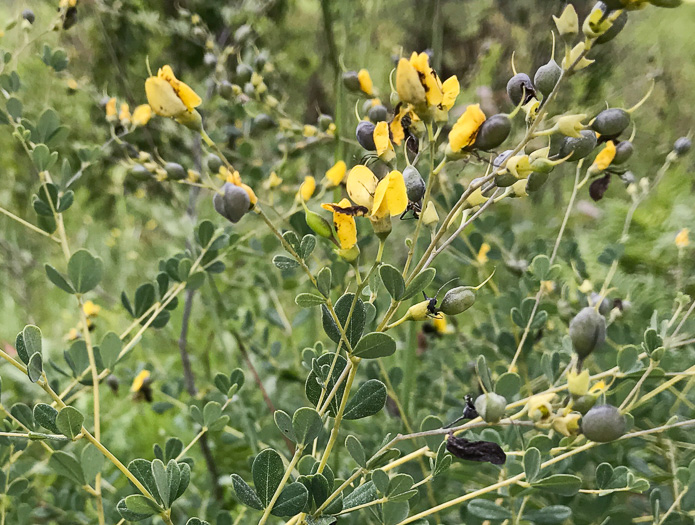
{"points": [[111, 110], [361, 184], [195, 19], [142, 115], [428, 78], [90, 309], [482, 253], [309, 130], [586, 286], [605, 157], [540, 407], [168, 96], [410, 89], [519, 166], [344, 223], [578, 384], [140, 380], [366, 85], [72, 335], [306, 190], [336, 173], [571, 125], [382, 141], [465, 129], [568, 22], [547, 286], [72, 84], [567, 424], [682, 238], [430, 215], [67, 3], [391, 196], [440, 325], [574, 55]]}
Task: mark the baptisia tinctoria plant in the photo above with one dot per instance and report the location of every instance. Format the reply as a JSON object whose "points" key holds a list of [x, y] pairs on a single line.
{"points": [[271, 289]]}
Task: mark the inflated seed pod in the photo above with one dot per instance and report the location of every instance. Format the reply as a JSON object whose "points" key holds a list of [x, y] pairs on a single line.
{"points": [[603, 423], [536, 180], [578, 147], [505, 179], [318, 224], [614, 30], [226, 89], [243, 73], [623, 151], [378, 113], [546, 77], [233, 204], [666, 3], [584, 403], [458, 300], [587, 331], [491, 407], [414, 184], [214, 163], [493, 132], [28, 15], [260, 61], [140, 172], [520, 86], [175, 171], [325, 121], [611, 122], [351, 80], [262, 122], [628, 178], [606, 304], [365, 135], [682, 146]]}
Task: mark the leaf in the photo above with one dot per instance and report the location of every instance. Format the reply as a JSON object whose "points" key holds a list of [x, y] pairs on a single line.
{"points": [[65, 464], [548, 515], [35, 368], [393, 281], [308, 300], [45, 415], [245, 493], [562, 484], [172, 448], [324, 280], [159, 474], [483, 372], [110, 349], [142, 470], [129, 515], [369, 399], [205, 232], [380, 480], [604, 473], [395, 511], [17, 487], [57, 278], [488, 510], [540, 267], [85, 271], [31, 336], [306, 247], [354, 329], [313, 389], [399, 484], [419, 283], [356, 450], [532, 464], [319, 488], [307, 425], [92, 461], [144, 299], [285, 263], [284, 423], [267, 471], [197, 521], [365, 493], [69, 422], [141, 505], [432, 423], [211, 413], [508, 385], [291, 501], [375, 345]]}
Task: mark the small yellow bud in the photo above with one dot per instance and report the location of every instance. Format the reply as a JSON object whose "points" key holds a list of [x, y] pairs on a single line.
{"points": [[430, 217]]}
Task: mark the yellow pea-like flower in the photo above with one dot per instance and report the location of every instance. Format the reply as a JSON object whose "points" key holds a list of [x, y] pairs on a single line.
{"points": [[124, 115], [168, 96], [336, 173], [90, 309], [428, 78], [605, 157], [391, 196], [366, 85], [111, 110], [306, 190], [142, 115], [466, 128], [139, 381], [382, 141], [361, 185], [408, 85], [344, 224], [682, 240]]}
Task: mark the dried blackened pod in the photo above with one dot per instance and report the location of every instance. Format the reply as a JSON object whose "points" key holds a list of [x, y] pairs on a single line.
{"points": [[666, 3], [493, 132], [546, 77], [414, 184], [233, 203], [483, 451], [365, 135], [491, 407], [611, 122], [351, 81], [682, 146], [578, 147], [603, 423], [243, 73], [614, 30], [587, 331], [175, 171], [536, 180], [378, 113], [458, 300], [520, 86], [623, 151]]}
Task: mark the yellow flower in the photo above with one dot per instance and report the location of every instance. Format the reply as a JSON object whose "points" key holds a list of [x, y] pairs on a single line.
{"points": [[344, 223], [568, 22], [430, 215], [142, 115], [568, 423], [336, 173], [90, 309], [168, 96], [605, 157], [540, 407], [578, 384], [72, 335], [306, 190], [547, 286], [408, 85], [519, 166], [450, 89], [124, 115], [384, 148], [235, 178], [465, 129], [366, 84], [111, 110], [140, 380], [482, 253], [441, 326], [361, 185], [396, 125], [682, 238], [309, 130], [428, 78], [586, 286], [391, 196], [193, 176], [273, 181], [72, 84], [571, 125]]}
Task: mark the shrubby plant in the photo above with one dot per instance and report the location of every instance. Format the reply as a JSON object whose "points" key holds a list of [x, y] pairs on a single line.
{"points": [[374, 345]]}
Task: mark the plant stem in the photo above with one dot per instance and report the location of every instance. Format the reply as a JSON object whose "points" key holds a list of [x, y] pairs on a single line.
{"points": [[288, 472]]}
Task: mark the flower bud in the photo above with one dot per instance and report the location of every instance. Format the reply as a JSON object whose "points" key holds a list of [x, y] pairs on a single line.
{"points": [[365, 135], [419, 311], [614, 29], [519, 166], [603, 423], [587, 331], [318, 224], [233, 203], [325, 121], [458, 300], [175, 171], [611, 122], [578, 147], [520, 87], [682, 146], [378, 113], [243, 73], [573, 57], [493, 132], [571, 125], [568, 22], [351, 81], [226, 90], [623, 151], [491, 407], [546, 77], [578, 384], [430, 217], [414, 183]]}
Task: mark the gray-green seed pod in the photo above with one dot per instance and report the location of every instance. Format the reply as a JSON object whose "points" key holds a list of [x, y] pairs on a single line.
{"points": [[546, 77], [414, 184], [584, 403], [491, 407], [666, 3], [614, 30], [365, 135], [535, 181], [243, 73], [175, 171], [457, 300], [628, 178], [611, 122], [587, 331], [233, 204], [318, 224], [578, 147], [262, 122], [520, 86], [682, 146], [28, 15], [378, 113], [542, 165], [140, 172], [493, 132], [214, 163], [351, 81], [623, 151], [260, 61], [249, 89], [325, 121], [226, 90], [603, 423], [505, 179]]}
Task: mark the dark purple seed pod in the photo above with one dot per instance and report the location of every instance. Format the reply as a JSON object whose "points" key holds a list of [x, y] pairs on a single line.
{"points": [[233, 203], [611, 122], [682, 146], [579, 147], [365, 135], [623, 152], [493, 132], [618, 25], [520, 86]]}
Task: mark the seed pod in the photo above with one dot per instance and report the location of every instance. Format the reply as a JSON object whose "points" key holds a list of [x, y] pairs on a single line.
{"points": [[493, 132], [175, 171], [584, 403], [140, 172], [214, 163], [378, 113], [623, 151], [261, 122], [578, 147], [505, 179], [520, 86], [318, 224], [682, 146], [414, 184], [614, 30], [249, 89], [536, 180], [325, 121], [603, 423], [611, 122], [233, 204], [28, 15], [628, 178], [613, 4], [542, 165], [587, 331], [546, 77], [606, 304], [666, 3], [351, 81], [491, 407], [226, 89], [365, 135], [458, 300], [243, 73], [260, 61]]}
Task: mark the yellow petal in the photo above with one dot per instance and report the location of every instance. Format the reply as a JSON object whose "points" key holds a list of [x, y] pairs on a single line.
{"points": [[336, 173], [519, 166], [384, 148], [345, 226], [391, 196], [482, 253], [682, 238], [396, 125], [163, 98], [306, 190], [111, 108], [451, 89], [365, 82], [124, 114], [465, 129], [408, 84], [428, 78], [361, 183], [578, 384], [604, 159], [142, 114], [139, 381], [90, 309]]}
